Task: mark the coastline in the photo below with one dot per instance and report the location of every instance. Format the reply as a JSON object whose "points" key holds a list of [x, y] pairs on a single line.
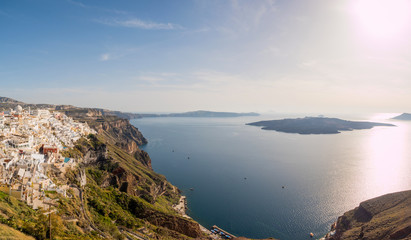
{"points": [[181, 208]]}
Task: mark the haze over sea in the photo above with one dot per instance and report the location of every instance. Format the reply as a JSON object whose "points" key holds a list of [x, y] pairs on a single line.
{"points": [[237, 172]]}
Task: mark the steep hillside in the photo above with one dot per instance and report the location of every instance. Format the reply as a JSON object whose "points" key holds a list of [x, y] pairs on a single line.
{"points": [[385, 217], [122, 190], [9, 233], [113, 193], [117, 131], [19, 216]]}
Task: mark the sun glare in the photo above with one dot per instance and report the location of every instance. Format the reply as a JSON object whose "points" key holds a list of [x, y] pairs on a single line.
{"points": [[382, 19], [386, 163]]}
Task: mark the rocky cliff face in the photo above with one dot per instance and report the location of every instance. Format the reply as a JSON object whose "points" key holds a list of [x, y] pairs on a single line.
{"points": [[175, 223], [117, 131], [136, 185], [385, 217], [128, 137], [114, 190], [117, 175], [98, 154], [111, 167]]}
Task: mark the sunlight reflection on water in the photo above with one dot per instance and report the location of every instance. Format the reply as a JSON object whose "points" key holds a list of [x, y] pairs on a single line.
{"points": [[325, 175], [386, 165]]}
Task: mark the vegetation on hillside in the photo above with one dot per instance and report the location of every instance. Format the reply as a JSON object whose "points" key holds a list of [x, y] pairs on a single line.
{"points": [[9, 233], [18, 215], [123, 197]]}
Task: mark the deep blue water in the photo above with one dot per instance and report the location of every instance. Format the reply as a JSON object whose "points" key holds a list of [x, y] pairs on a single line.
{"points": [[323, 175]]}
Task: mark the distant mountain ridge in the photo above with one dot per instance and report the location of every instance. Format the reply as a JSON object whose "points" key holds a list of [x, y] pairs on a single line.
{"points": [[203, 113], [7, 103], [404, 116], [8, 100]]}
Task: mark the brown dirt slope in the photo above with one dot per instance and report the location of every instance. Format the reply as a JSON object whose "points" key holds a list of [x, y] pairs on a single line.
{"points": [[384, 217], [8, 233]]}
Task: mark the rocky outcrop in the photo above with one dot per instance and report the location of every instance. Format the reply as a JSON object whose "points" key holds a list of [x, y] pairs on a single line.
{"points": [[176, 223], [143, 157], [149, 187], [111, 168], [117, 131], [96, 155], [136, 185], [386, 217], [126, 135]]}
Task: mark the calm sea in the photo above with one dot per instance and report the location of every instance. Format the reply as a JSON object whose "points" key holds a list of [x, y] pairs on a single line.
{"points": [[232, 174]]}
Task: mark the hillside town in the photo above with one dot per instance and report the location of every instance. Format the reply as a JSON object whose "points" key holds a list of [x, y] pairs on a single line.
{"points": [[31, 143]]}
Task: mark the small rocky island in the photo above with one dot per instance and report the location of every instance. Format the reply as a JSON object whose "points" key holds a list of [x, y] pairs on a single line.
{"points": [[315, 125], [404, 116]]}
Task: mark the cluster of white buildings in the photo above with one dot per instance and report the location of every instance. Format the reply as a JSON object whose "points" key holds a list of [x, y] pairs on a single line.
{"points": [[31, 143]]}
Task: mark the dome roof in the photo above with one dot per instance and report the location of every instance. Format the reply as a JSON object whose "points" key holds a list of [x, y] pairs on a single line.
{"points": [[19, 108]]}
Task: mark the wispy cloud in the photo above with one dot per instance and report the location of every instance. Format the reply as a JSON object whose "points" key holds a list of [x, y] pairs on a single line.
{"points": [[199, 30], [82, 5], [205, 80], [79, 4], [138, 23], [308, 64], [249, 14], [114, 53], [105, 57]]}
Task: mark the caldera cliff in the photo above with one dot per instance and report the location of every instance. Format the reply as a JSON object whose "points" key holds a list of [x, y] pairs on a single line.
{"points": [[386, 217], [112, 191], [121, 177]]}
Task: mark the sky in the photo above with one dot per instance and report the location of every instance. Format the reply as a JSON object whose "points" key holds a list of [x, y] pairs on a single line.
{"points": [[172, 56]]}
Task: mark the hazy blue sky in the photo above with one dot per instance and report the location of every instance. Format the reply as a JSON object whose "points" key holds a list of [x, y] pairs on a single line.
{"points": [[145, 55]]}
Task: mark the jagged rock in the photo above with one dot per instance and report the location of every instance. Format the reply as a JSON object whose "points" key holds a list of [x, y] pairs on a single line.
{"points": [[117, 131], [130, 137], [117, 173], [96, 155], [143, 157], [181, 225]]}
